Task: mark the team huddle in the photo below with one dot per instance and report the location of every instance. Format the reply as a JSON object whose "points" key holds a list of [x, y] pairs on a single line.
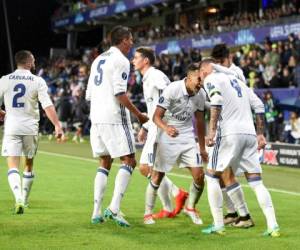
{"points": [[173, 133]]}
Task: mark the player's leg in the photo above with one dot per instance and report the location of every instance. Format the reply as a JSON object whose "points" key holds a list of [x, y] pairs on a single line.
{"points": [[30, 144], [99, 151], [236, 194], [27, 181], [232, 214], [220, 156], [151, 193], [14, 181], [195, 192], [215, 200], [265, 201], [250, 162], [12, 149], [146, 164], [100, 184]]}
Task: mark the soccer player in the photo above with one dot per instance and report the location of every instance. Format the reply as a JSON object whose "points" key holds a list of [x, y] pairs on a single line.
{"points": [[111, 132], [154, 81], [176, 140], [235, 142], [22, 91], [234, 198]]}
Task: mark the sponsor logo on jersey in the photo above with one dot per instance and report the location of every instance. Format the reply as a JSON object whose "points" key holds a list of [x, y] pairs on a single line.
{"points": [[161, 99], [124, 76]]}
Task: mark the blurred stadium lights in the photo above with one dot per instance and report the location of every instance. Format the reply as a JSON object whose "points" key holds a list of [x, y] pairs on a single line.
{"points": [[212, 10]]}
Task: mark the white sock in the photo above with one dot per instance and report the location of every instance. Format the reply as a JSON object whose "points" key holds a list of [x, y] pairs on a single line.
{"points": [[27, 181], [264, 199], [164, 195], [174, 189], [14, 181], [215, 199], [121, 182], [194, 195], [151, 193], [99, 189], [228, 202], [236, 194]]}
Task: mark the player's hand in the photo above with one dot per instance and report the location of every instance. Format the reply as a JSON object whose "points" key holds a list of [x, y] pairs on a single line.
{"points": [[204, 156], [261, 141], [210, 141], [171, 131], [59, 133], [142, 118], [142, 135], [2, 115]]}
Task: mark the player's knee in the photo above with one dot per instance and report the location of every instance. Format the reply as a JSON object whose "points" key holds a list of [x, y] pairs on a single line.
{"points": [[199, 178], [144, 170], [156, 177]]}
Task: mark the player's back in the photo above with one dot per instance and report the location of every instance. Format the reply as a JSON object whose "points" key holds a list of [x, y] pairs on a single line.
{"points": [[108, 78], [21, 91], [236, 114]]}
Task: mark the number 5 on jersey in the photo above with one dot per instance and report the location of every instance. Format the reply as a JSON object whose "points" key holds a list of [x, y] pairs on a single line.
{"points": [[20, 89], [99, 77]]}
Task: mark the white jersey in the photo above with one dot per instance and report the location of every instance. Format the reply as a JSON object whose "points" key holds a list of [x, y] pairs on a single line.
{"points": [[181, 107], [21, 91], [154, 82], [236, 100], [233, 70], [108, 79]]}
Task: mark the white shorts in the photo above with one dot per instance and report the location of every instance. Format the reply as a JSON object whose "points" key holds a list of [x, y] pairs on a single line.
{"points": [[20, 145], [147, 152], [167, 154], [115, 140], [236, 151]]}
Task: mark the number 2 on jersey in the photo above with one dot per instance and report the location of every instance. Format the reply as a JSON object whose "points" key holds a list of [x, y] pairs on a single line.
{"points": [[20, 89], [98, 78], [236, 86]]}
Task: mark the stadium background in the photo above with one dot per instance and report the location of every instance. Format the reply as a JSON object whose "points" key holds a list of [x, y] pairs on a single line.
{"points": [[65, 36]]}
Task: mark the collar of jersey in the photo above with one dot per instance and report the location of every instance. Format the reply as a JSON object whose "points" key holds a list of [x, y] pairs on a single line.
{"points": [[183, 87], [147, 73]]}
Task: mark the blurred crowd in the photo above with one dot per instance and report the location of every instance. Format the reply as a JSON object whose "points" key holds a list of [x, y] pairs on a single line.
{"points": [[191, 24]]}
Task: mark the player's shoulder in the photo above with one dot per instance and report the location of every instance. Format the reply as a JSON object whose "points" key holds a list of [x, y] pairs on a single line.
{"points": [[173, 89], [159, 76], [214, 78]]}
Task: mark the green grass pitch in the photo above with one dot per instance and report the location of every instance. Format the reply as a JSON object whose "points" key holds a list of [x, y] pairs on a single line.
{"points": [[62, 198]]}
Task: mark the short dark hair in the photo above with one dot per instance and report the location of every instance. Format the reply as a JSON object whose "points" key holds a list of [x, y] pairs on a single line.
{"points": [[192, 67], [147, 52], [206, 61], [22, 57], [220, 52], [118, 33]]}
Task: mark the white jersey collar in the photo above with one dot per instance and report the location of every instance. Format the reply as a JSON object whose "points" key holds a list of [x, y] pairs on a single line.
{"points": [[183, 87], [147, 73]]}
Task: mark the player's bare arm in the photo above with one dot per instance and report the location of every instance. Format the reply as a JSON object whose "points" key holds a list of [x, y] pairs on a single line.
{"points": [[215, 112], [200, 130], [142, 135], [124, 100], [158, 120], [51, 114], [260, 127], [2, 115]]}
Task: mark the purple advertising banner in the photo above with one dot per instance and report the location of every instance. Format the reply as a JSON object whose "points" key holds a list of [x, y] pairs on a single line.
{"points": [[245, 36]]}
